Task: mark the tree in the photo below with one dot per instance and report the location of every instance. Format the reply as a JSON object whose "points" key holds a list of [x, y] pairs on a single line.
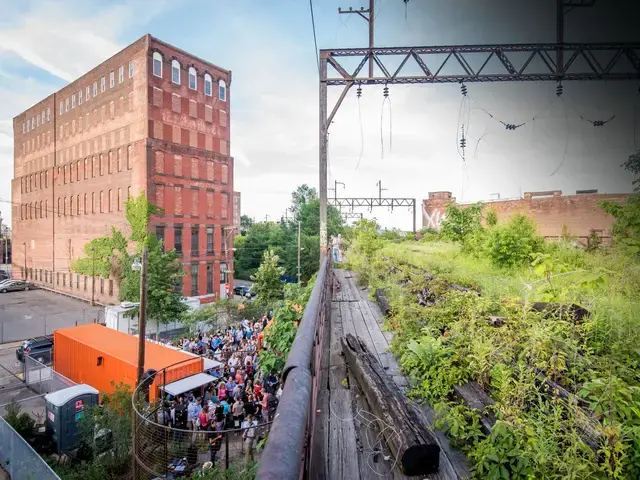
{"points": [[461, 222], [302, 195], [268, 286], [246, 223], [633, 165], [111, 257]]}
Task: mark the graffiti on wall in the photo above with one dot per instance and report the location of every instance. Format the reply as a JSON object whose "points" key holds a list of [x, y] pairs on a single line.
{"points": [[433, 219]]}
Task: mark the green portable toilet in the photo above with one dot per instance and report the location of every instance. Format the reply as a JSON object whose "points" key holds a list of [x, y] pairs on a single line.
{"points": [[64, 409]]}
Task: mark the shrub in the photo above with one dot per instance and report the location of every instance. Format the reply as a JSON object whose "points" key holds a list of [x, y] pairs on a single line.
{"points": [[19, 420], [512, 244], [491, 218], [461, 222]]}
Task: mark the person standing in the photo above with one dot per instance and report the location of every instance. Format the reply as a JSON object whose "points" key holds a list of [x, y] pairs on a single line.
{"points": [[249, 436]]}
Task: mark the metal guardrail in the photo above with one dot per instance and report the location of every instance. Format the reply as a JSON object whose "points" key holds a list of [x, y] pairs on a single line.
{"points": [[287, 453]]}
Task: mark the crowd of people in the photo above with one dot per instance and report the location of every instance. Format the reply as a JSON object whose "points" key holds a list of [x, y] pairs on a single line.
{"points": [[242, 396]]}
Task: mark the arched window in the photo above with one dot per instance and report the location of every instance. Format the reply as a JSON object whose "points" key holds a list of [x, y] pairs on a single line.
{"points": [[175, 72], [193, 79], [208, 85], [222, 90], [157, 64]]}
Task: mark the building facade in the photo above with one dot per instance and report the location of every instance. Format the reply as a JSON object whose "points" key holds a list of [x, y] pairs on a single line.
{"points": [[237, 212], [150, 119], [555, 214]]}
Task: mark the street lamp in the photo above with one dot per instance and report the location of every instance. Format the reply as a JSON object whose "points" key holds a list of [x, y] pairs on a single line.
{"points": [[142, 316], [137, 266]]}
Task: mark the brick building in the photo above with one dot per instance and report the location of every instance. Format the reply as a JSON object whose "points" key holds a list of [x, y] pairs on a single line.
{"points": [[151, 119], [554, 213]]}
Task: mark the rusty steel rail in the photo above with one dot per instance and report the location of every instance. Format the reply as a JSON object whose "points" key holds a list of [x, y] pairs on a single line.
{"points": [[287, 454]]}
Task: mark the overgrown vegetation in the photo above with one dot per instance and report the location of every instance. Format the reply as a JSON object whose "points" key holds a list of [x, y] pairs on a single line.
{"points": [[451, 339]]}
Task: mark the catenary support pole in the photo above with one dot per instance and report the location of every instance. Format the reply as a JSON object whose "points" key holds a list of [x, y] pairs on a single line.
{"points": [[299, 267], [323, 158], [93, 277], [143, 313]]}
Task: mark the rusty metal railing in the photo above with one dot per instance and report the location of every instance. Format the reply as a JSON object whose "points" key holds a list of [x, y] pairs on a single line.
{"points": [[287, 452]]}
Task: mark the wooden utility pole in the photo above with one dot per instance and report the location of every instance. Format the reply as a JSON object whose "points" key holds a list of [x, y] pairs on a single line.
{"points": [[299, 266], [142, 313], [369, 17], [93, 277]]}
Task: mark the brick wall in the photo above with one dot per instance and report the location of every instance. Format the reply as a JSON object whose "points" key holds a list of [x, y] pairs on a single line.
{"points": [[553, 212]]}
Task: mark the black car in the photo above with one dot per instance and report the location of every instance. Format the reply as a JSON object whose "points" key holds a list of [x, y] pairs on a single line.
{"points": [[40, 348], [243, 291]]}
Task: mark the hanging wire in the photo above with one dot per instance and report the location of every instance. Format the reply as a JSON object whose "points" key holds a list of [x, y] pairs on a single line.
{"points": [[315, 40], [597, 123], [566, 145]]}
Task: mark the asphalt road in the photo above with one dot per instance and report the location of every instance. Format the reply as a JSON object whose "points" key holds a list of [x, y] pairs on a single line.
{"points": [[29, 314]]}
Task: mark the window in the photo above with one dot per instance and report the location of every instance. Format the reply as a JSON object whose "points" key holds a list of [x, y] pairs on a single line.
{"points": [[80, 98], [93, 202], [73, 101], [193, 79], [157, 65], [48, 114], [194, 279], [223, 243], [110, 287], [85, 204], [110, 165], [66, 104], [224, 273], [177, 241], [110, 199], [86, 280], [175, 72], [101, 165], [101, 201], [222, 90], [95, 88], [88, 92], [61, 112], [209, 240], [112, 79], [121, 74], [129, 157], [209, 278], [102, 286], [78, 205], [86, 168], [131, 68], [160, 233], [207, 85], [29, 124], [37, 120], [58, 206], [64, 279], [24, 127], [194, 240], [118, 163], [42, 115], [103, 84]]}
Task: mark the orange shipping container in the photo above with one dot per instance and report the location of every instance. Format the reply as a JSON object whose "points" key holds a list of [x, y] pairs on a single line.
{"points": [[77, 352]]}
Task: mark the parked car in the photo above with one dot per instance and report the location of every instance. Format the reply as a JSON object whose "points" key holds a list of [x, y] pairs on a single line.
{"points": [[15, 286], [40, 348], [244, 291], [3, 275]]}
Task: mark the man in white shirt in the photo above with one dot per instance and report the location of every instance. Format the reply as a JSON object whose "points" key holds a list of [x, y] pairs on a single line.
{"points": [[249, 436]]}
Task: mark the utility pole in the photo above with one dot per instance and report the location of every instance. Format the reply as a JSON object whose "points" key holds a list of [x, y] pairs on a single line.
{"points": [[142, 313], [335, 188], [93, 277], [25, 259], [369, 17], [266, 218], [299, 267], [380, 189]]}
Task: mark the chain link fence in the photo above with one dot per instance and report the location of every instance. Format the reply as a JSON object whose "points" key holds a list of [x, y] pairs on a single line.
{"points": [[24, 326], [42, 379]]}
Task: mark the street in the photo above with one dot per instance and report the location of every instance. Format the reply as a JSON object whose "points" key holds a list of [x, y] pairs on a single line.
{"points": [[33, 313]]}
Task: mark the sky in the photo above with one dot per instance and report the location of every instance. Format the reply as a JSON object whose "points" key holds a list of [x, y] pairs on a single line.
{"points": [[410, 142]]}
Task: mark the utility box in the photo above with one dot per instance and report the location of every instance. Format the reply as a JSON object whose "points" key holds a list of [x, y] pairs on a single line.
{"points": [[64, 410]]}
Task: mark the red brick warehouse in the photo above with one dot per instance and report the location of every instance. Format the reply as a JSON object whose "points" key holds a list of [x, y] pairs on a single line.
{"points": [[152, 119]]}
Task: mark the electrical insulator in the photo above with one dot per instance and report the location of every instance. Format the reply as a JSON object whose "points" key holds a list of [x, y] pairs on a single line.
{"points": [[359, 91], [463, 88], [559, 89], [463, 142], [385, 91], [598, 123]]}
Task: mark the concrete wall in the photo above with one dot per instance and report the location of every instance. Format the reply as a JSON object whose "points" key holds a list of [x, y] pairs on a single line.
{"points": [[553, 212]]}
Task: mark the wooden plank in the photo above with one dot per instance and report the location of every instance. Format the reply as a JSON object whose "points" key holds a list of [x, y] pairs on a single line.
{"points": [[337, 370], [362, 332], [379, 342], [320, 445], [347, 320], [343, 453]]}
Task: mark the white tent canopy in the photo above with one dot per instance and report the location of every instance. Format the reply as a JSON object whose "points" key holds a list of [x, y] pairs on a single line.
{"points": [[188, 383]]}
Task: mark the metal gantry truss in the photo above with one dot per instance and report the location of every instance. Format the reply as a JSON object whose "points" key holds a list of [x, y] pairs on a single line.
{"points": [[370, 202], [351, 215], [557, 62]]}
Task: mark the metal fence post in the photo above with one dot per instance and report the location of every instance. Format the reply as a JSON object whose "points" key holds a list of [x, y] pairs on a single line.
{"points": [[226, 453]]}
